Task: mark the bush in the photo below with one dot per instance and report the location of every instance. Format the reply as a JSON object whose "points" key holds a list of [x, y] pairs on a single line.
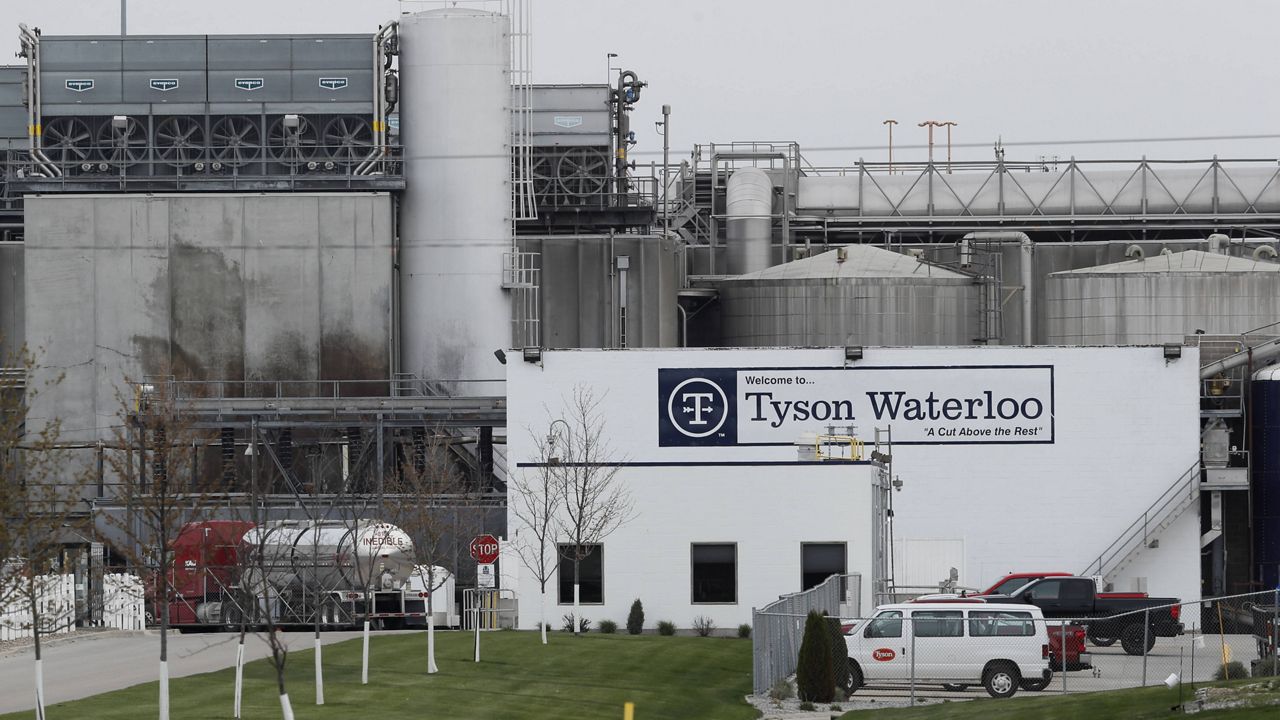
{"points": [[1266, 668], [635, 618], [703, 625], [807, 706], [1231, 671], [780, 691], [666, 627], [815, 672], [836, 707], [744, 631], [608, 627], [566, 624]]}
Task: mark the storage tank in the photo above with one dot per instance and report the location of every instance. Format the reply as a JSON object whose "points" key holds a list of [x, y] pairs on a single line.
{"points": [[858, 294], [455, 217], [1266, 474], [1160, 299], [330, 555]]}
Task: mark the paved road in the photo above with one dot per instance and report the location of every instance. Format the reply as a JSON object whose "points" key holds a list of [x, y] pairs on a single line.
{"points": [[89, 663]]}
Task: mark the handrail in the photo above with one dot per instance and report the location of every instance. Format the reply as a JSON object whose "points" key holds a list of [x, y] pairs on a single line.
{"points": [[1141, 527]]}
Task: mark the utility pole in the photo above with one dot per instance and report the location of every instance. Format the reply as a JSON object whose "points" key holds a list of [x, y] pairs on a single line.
{"points": [[948, 125], [123, 15], [666, 168], [890, 123], [931, 124]]}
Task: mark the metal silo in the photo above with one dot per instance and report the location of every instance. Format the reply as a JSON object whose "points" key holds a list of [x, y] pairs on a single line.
{"points": [[857, 294], [1266, 474], [455, 218], [1160, 299]]}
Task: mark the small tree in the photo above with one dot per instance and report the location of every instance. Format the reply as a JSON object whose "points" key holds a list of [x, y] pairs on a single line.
{"points": [[592, 501], [815, 676], [533, 502], [635, 618]]}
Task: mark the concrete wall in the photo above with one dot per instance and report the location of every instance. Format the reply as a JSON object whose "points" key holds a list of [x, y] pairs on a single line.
{"points": [[11, 294], [1113, 429], [204, 287]]}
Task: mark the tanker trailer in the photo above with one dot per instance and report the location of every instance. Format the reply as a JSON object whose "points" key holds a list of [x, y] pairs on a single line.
{"points": [[289, 572]]}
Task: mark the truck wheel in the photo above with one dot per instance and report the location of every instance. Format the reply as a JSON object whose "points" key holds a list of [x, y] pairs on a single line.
{"points": [[1001, 680], [854, 680], [1131, 640], [1102, 641], [1037, 684]]}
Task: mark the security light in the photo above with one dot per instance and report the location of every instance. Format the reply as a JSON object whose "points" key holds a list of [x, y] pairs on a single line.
{"points": [[853, 353], [532, 354], [502, 357], [1172, 351]]}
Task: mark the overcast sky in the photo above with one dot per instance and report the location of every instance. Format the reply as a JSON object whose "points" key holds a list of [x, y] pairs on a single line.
{"points": [[826, 73]]}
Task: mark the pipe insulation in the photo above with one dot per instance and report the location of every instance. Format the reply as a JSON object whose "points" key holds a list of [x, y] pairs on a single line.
{"points": [[749, 208]]}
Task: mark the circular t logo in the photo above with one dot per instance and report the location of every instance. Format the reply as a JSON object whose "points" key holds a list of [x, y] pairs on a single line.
{"points": [[697, 407]]}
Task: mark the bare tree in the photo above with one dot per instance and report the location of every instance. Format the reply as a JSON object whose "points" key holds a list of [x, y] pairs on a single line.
{"points": [[592, 502], [417, 498], [40, 490], [534, 500], [155, 476]]}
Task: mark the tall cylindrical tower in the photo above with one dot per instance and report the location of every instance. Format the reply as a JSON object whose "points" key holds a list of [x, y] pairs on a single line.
{"points": [[455, 219]]}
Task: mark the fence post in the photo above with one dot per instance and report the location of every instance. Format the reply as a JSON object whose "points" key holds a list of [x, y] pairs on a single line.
{"points": [[1146, 628], [1063, 652], [913, 660], [1275, 627]]}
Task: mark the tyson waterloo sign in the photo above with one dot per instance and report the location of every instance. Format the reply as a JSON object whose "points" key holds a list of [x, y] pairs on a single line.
{"points": [[924, 405]]}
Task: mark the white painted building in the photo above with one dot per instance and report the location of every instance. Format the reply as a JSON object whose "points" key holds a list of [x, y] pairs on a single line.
{"points": [[1011, 459]]}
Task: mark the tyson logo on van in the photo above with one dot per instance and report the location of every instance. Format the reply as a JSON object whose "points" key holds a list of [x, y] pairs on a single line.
{"points": [[883, 654]]}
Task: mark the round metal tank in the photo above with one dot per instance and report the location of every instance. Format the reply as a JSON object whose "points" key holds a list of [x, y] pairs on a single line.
{"points": [[455, 214], [1160, 299], [1265, 396], [749, 205], [855, 295], [330, 555]]}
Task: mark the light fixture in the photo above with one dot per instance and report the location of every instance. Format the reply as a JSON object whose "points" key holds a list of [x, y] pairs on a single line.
{"points": [[1172, 351], [532, 354], [852, 353], [502, 357]]}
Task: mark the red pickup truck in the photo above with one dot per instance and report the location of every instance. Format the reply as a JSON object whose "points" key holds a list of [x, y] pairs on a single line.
{"points": [[1010, 583]]}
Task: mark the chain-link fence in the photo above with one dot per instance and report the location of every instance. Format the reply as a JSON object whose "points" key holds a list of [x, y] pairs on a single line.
{"points": [[949, 649], [777, 628]]}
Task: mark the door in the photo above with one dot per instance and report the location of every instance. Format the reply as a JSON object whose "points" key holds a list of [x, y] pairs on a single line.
{"points": [[882, 649], [939, 640]]}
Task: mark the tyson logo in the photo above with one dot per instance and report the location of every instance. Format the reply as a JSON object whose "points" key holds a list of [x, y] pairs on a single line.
{"points": [[883, 654]]}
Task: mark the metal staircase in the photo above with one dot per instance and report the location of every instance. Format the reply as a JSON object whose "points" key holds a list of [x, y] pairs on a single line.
{"points": [[1144, 533]]}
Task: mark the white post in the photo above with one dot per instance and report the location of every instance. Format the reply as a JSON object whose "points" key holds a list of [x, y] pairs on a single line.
{"points": [[239, 675], [364, 659], [39, 690], [577, 618], [286, 709], [319, 676], [431, 644], [164, 690], [542, 613]]}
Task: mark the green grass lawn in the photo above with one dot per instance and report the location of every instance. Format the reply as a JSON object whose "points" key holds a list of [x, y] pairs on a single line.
{"points": [[1137, 704], [518, 679]]}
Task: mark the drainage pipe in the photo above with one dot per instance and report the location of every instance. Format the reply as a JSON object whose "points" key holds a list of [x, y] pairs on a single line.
{"points": [[1009, 237]]}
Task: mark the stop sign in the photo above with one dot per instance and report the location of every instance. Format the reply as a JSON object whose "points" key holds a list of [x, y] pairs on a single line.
{"points": [[484, 549]]}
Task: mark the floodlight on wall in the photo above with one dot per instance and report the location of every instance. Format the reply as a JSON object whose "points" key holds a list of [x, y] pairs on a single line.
{"points": [[853, 353], [532, 354], [502, 357], [1172, 351]]}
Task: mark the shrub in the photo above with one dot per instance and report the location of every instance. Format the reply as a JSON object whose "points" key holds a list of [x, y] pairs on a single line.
{"points": [[1231, 671], [703, 625], [836, 707], [744, 631], [1266, 668], [635, 618], [608, 627], [807, 706], [666, 627], [780, 691], [815, 674], [566, 624]]}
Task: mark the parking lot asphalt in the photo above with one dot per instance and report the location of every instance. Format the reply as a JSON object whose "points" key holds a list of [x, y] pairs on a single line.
{"points": [[89, 663]]}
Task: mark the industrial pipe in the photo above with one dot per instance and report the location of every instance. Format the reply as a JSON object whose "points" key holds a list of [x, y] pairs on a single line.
{"points": [[1008, 237], [1254, 354], [749, 209], [1264, 252], [1217, 241]]}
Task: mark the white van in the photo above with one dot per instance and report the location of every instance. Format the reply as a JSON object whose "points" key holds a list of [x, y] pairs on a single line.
{"points": [[956, 643]]}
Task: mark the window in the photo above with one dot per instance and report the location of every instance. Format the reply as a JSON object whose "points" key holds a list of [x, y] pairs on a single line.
{"points": [[819, 561], [1077, 589], [938, 623], [887, 624], [1009, 586], [590, 574], [1000, 623], [715, 572]]}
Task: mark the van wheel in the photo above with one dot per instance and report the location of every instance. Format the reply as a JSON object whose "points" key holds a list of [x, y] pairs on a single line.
{"points": [[1001, 680], [1037, 684], [954, 687], [855, 677], [1131, 639]]}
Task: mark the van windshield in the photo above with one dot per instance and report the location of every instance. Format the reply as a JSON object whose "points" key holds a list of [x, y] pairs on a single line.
{"points": [[885, 625]]}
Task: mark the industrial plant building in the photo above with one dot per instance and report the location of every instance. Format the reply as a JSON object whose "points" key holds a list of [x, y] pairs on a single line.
{"points": [[336, 247]]}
